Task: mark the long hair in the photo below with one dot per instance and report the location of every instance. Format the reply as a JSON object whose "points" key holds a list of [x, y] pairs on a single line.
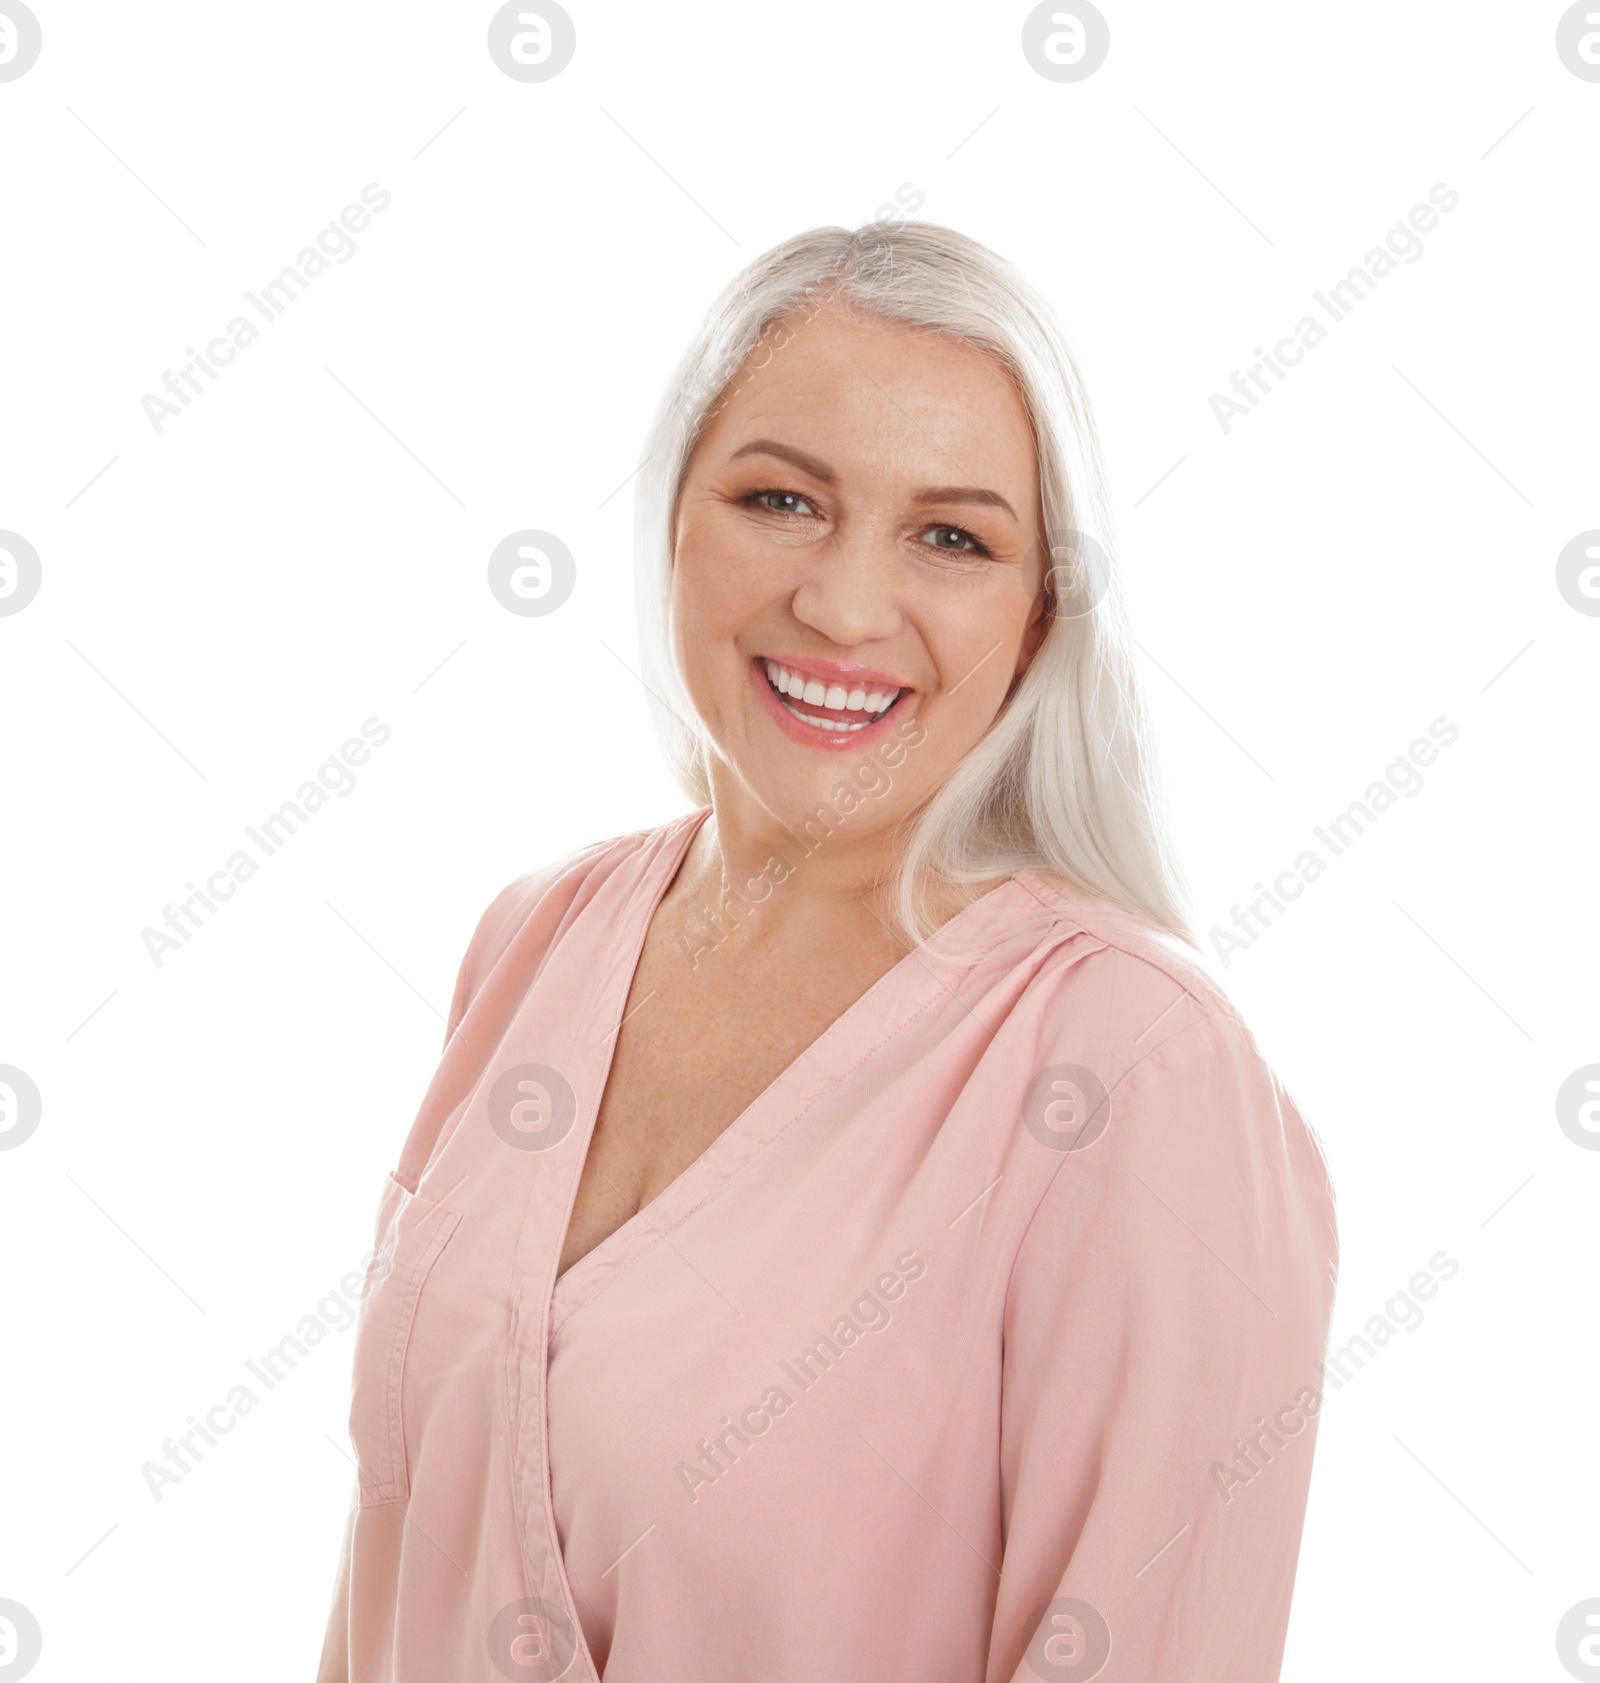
{"points": [[1064, 780]]}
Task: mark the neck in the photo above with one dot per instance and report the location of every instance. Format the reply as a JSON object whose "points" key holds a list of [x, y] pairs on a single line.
{"points": [[795, 876]]}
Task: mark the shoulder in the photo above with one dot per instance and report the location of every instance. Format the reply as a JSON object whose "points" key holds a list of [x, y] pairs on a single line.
{"points": [[1192, 1105], [1113, 995], [1100, 963], [531, 910], [545, 888]]}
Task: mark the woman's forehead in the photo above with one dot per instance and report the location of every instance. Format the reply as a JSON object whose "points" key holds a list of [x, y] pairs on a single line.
{"points": [[845, 389]]}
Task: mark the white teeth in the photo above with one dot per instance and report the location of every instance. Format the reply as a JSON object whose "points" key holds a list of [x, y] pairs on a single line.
{"points": [[797, 687], [829, 724], [818, 694]]}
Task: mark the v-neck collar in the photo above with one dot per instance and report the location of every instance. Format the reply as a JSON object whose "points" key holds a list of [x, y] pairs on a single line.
{"points": [[910, 985]]}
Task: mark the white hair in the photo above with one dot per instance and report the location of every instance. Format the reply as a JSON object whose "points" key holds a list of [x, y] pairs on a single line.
{"points": [[1064, 780]]}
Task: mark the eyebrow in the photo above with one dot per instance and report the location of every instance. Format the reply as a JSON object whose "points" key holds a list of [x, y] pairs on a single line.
{"points": [[821, 471]]}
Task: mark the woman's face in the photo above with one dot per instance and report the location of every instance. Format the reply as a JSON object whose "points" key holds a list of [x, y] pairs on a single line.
{"points": [[859, 526]]}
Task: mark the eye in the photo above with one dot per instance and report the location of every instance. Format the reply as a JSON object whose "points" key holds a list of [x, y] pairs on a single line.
{"points": [[759, 498], [964, 542]]}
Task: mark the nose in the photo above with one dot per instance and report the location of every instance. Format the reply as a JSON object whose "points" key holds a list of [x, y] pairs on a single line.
{"points": [[852, 592]]}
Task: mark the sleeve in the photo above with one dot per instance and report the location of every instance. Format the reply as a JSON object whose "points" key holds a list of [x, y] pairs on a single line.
{"points": [[458, 1064], [496, 927], [334, 1665], [531, 905], [1167, 1312], [489, 939], [507, 943]]}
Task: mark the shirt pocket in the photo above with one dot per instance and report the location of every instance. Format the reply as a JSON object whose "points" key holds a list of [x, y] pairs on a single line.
{"points": [[412, 1232]]}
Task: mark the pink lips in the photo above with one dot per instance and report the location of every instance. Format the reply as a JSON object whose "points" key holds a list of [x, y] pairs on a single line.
{"points": [[840, 672]]}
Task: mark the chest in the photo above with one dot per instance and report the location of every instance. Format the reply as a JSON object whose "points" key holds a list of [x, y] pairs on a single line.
{"points": [[698, 1044]]}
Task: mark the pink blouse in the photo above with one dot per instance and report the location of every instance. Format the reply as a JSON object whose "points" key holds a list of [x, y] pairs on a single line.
{"points": [[982, 1346]]}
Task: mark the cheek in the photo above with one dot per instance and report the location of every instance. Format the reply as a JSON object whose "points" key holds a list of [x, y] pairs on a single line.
{"points": [[969, 712], [717, 575], [976, 642], [718, 596]]}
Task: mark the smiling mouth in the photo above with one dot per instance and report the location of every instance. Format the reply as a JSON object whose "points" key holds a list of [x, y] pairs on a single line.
{"points": [[831, 707]]}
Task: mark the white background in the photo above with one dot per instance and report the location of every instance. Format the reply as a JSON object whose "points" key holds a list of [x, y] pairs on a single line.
{"points": [[223, 603]]}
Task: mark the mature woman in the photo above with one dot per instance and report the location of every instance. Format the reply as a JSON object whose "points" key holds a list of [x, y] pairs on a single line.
{"points": [[846, 1237]]}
